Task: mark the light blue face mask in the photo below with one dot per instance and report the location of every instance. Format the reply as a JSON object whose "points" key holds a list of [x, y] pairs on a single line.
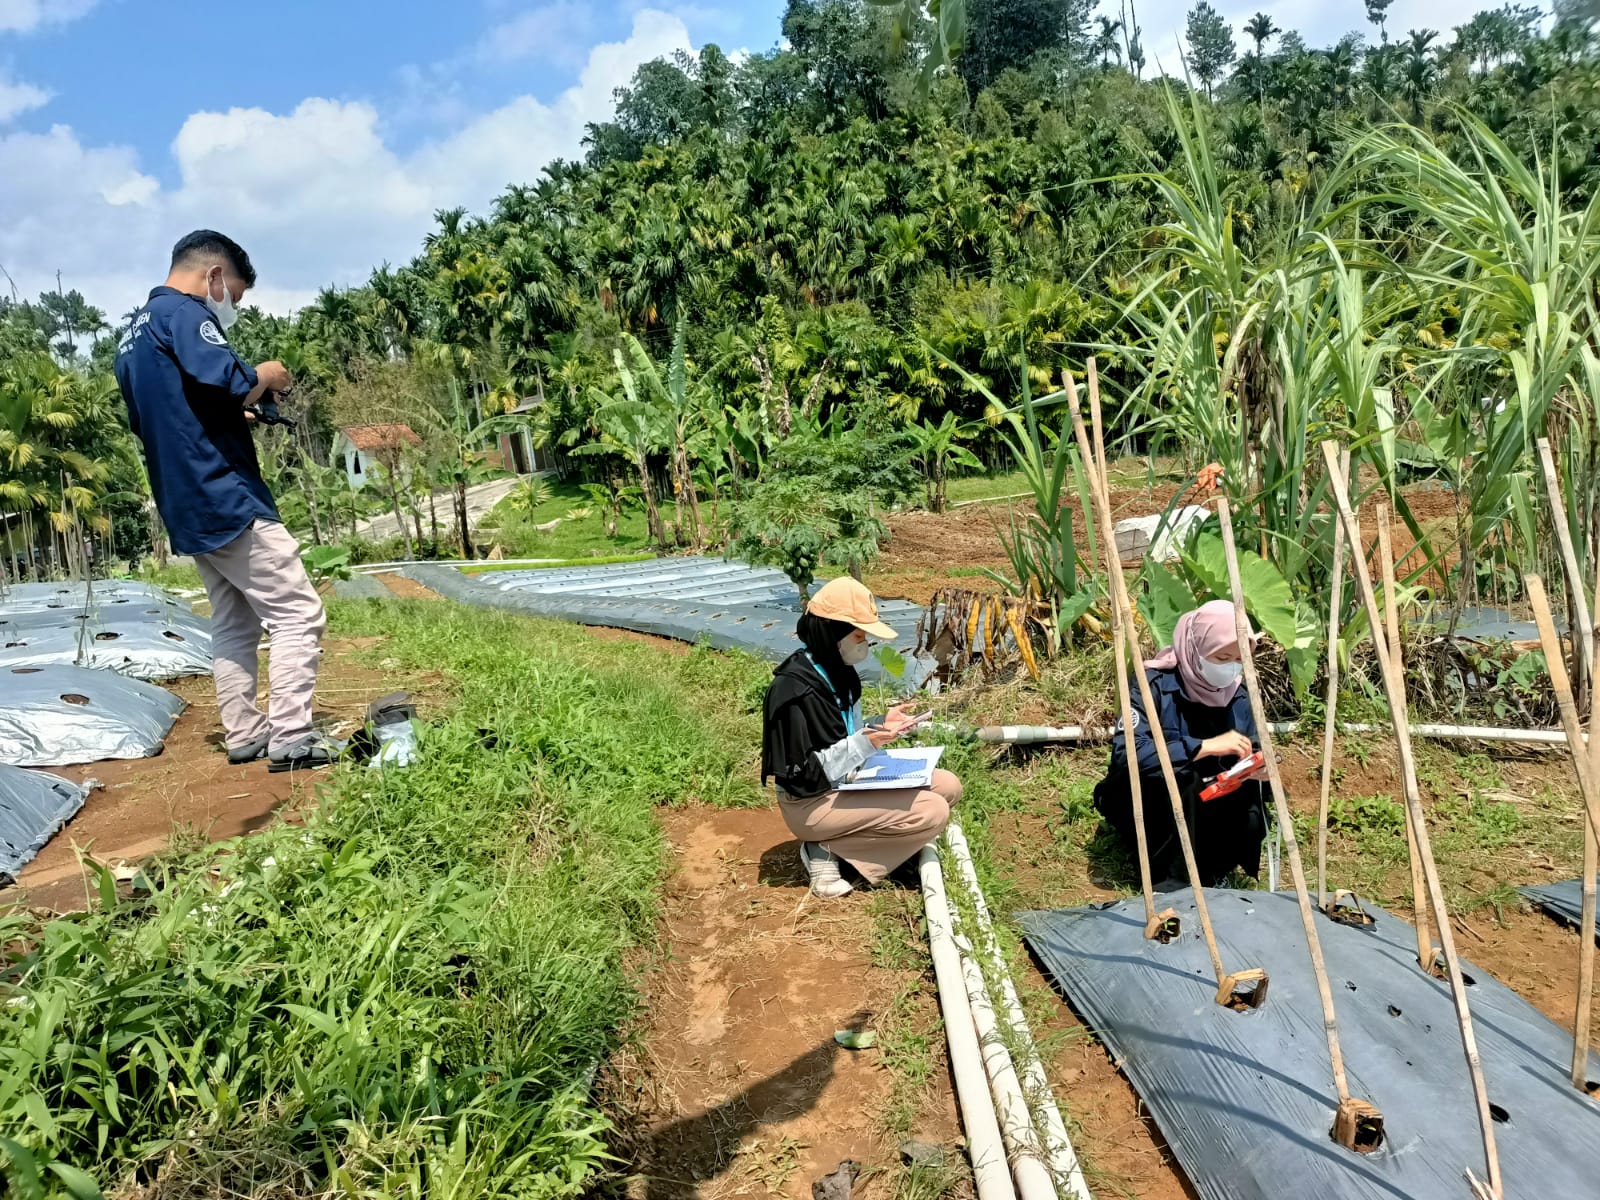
{"points": [[1220, 675]]}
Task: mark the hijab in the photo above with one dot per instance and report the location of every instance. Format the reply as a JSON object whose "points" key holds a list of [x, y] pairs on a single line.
{"points": [[1203, 632], [821, 637]]}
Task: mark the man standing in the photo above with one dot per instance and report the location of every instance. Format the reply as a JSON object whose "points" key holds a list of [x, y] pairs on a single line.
{"points": [[187, 392]]}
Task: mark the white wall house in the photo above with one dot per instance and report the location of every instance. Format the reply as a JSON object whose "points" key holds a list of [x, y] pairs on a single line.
{"points": [[360, 448]]}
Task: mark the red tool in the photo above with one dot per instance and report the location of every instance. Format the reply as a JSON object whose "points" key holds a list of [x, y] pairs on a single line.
{"points": [[1235, 775]]}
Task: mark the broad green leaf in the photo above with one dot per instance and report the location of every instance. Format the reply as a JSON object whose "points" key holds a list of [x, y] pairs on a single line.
{"points": [[891, 660], [1267, 597], [1163, 600]]}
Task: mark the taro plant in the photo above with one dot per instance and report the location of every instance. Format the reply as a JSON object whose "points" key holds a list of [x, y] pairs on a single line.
{"points": [[324, 564]]}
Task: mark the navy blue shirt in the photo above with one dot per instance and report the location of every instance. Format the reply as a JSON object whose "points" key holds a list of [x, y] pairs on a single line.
{"points": [[1185, 722], [185, 388]]}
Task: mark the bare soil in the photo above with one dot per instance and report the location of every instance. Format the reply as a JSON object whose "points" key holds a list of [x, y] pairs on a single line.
{"points": [[406, 589], [927, 551], [737, 1086], [189, 789]]}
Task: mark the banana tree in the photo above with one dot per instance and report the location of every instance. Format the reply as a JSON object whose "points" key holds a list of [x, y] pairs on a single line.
{"points": [[681, 412], [938, 449], [634, 430]]}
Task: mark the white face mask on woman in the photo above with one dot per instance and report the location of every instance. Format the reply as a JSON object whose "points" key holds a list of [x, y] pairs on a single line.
{"points": [[853, 650], [226, 314], [1220, 674]]}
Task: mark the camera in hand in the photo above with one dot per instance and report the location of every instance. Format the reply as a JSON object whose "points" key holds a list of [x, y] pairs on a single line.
{"points": [[268, 413]]}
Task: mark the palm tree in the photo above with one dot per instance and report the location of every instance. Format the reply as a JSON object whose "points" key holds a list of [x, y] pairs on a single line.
{"points": [[1258, 29], [1106, 44], [1421, 69], [54, 445]]}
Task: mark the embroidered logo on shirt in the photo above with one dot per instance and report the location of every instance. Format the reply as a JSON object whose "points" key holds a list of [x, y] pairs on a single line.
{"points": [[212, 334]]}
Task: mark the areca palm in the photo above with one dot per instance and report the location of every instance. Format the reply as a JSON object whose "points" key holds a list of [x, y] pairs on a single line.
{"points": [[54, 450], [1259, 29], [1420, 70]]}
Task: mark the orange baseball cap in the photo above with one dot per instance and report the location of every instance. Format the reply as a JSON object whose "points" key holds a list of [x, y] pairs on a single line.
{"points": [[844, 599]]}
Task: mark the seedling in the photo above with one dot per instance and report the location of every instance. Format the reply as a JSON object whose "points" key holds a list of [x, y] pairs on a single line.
{"points": [[1163, 927]]}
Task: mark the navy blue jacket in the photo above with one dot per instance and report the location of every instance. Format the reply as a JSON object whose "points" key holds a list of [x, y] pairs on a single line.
{"points": [[1186, 724], [185, 387]]}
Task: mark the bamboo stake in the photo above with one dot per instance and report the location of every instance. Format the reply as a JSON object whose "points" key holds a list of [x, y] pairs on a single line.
{"points": [[1427, 953], [1336, 598], [1163, 926], [1583, 653], [1394, 687], [1584, 766], [1250, 985], [1357, 1124], [1591, 867]]}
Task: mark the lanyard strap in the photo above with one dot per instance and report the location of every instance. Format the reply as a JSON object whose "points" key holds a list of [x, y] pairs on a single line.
{"points": [[847, 714]]}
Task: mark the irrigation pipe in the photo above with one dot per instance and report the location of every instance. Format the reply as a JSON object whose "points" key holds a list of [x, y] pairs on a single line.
{"points": [[1031, 735], [369, 568], [1010, 1106], [978, 1118], [1059, 1152]]}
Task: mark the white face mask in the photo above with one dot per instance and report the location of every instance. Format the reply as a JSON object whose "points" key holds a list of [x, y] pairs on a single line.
{"points": [[1220, 675], [853, 651], [226, 314]]}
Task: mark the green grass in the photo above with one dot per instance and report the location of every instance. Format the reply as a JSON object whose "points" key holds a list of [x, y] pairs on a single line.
{"points": [[1125, 473], [584, 538], [409, 995], [175, 575]]}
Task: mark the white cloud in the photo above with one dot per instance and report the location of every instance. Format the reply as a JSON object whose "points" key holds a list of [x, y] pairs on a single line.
{"points": [[24, 16], [17, 97], [316, 195], [553, 33]]}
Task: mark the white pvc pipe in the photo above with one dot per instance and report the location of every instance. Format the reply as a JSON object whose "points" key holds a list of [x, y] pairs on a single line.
{"points": [[1062, 1158], [1027, 735], [1010, 1105], [984, 1145], [368, 568]]}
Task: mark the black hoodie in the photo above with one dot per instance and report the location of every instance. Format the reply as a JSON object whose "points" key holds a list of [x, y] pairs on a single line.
{"points": [[802, 716]]}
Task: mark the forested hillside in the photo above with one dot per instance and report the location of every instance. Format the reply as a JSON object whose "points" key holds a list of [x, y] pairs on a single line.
{"points": [[849, 240]]}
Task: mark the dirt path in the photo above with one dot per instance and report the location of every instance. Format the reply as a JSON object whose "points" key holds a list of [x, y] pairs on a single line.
{"points": [[481, 497], [738, 1087]]}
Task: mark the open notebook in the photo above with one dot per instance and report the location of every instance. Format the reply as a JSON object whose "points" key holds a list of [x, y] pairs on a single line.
{"points": [[897, 767]]}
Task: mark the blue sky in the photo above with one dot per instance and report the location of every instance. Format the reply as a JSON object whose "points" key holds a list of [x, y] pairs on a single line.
{"points": [[323, 135]]}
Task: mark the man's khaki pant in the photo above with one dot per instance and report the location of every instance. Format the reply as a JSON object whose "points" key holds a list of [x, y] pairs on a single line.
{"points": [[257, 579]]}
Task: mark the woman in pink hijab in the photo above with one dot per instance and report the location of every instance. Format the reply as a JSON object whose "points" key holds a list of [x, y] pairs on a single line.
{"points": [[1204, 717]]}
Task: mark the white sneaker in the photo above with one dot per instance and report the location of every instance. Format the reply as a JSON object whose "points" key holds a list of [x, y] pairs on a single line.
{"points": [[823, 869]]}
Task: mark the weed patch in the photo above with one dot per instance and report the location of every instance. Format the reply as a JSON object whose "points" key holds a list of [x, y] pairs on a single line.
{"points": [[410, 995]]}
